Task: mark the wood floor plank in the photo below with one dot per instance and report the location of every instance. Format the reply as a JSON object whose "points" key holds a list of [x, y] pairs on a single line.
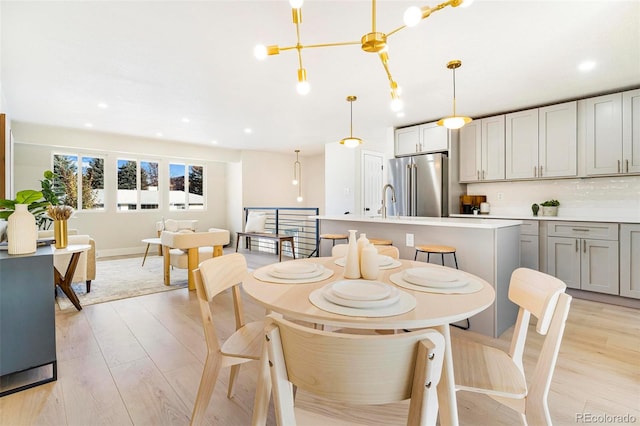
{"points": [[41, 405]]}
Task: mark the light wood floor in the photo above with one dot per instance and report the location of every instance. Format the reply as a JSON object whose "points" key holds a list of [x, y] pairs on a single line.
{"points": [[138, 361]]}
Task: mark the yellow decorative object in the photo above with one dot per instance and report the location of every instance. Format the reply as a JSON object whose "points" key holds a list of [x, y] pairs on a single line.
{"points": [[60, 233]]}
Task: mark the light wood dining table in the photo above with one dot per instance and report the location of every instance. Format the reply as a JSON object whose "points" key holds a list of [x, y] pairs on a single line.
{"points": [[432, 310]]}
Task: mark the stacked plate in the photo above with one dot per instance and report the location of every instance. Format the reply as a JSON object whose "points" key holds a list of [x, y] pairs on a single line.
{"points": [[296, 270], [383, 261], [362, 294], [435, 278]]}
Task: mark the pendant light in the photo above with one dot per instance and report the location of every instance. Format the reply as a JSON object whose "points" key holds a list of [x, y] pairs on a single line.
{"points": [[297, 176], [351, 142], [454, 122]]}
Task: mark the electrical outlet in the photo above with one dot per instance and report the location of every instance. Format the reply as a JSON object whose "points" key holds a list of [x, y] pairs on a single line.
{"points": [[409, 241], [500, 195]]}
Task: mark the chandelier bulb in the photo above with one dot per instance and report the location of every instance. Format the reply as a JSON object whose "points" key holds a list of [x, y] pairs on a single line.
{"points": [[412, 16], [303, 86], [299, 199], [296, 4], [396, 104], [260, 51]]}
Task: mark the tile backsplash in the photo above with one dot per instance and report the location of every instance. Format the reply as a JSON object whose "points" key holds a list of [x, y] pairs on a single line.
{"points": [[601, 197]]}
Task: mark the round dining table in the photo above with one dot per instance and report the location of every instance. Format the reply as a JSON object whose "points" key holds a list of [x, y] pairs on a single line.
{"points": [[432, 310]]}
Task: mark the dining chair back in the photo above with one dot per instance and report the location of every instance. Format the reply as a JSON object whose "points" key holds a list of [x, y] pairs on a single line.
{"points": [[354, 368], [340, 250], [212, 277], [483, 369]]}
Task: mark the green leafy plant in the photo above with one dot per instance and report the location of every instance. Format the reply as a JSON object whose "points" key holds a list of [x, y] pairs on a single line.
{"points": [[550, 203], [37, 201]]}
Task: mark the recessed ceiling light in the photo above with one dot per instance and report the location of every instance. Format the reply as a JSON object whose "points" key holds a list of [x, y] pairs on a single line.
{"points": [[88, 125], [400, 114], [103, 105], [159, 134], [586, 66], [248, 130], [214, 142], [185, 120]]}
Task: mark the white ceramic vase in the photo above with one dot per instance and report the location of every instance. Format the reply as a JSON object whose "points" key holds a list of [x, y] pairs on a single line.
{"points": [[352, 262], [369, 264], [363, 241], [21, 231]]}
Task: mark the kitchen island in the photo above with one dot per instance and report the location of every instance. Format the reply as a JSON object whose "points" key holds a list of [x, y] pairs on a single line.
{"points": [[488, 248]]}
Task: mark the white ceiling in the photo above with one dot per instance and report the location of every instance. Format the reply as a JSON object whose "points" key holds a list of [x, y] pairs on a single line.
{"points": [[157, 62]]}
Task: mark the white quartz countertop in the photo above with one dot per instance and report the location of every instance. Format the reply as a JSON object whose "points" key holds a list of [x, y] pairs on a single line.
{"points": [[450, 222], [568, 218]]}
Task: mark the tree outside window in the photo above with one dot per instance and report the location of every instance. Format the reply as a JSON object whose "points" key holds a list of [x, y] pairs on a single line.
{"points": [[83, 191], [186, 189], [127, 185]]}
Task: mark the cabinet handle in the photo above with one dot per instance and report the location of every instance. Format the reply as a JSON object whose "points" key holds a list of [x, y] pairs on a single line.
{"points": [[584, 246], [540, 171], [478, 172], [577, 246], [626, 165], [580, 229], [417, 150], [483, 175], [535, 171], [618, 166]]}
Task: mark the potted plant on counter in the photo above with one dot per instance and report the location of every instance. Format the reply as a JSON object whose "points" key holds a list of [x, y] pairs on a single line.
{"points": [[550, 207]]}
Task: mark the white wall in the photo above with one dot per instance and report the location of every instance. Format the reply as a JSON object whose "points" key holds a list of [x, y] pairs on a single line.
{"points": [[118, 233], [596, 197]]}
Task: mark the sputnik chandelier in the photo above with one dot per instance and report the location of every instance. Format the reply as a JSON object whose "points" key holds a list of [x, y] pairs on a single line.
{"points": [[373, 42]]}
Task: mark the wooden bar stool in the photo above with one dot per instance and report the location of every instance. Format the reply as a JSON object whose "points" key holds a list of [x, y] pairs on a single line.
{"points": [[332, 237], [435, 249], [380, 242]]}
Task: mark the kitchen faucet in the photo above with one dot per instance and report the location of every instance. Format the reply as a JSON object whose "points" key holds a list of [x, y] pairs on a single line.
{"points": [[383, 209]]}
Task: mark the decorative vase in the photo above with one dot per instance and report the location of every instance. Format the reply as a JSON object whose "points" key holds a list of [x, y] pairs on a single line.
{"points": [[60, 233], [363, 241], [549, 210], [352, 262], [534, 209], [21, 231], [369, 264]]}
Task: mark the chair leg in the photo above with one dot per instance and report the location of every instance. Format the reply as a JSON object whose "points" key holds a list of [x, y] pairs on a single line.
{"points": [[428, 257], [233, 377], [415, 257], [455, 259], [205, 390], [88, 286]]}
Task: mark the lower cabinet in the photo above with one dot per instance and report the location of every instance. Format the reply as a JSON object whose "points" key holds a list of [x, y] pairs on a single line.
{"points": [[629, 260], [584, 255], [529, 245]]}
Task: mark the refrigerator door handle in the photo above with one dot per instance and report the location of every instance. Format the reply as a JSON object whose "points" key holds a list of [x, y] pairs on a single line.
{"points": [[414, 190], [407, 189]]}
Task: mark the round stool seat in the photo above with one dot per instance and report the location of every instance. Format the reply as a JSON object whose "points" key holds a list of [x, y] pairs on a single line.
{"points": [[334, 236], [435, 249], [380, 242]]}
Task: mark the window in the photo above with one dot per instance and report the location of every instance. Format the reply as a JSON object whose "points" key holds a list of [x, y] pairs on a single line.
{"points": [[149, 196], [127, 198], [186, 189], [137, 185], [83, 191]]}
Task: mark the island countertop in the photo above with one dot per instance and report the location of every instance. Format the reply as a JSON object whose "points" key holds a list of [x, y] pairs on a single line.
{"points": [[448, 222]]}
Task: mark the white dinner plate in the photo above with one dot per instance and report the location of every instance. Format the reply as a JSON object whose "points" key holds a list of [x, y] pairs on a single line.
{"points": [[361, 289], [330, 295], [431, 277], [295, 267], [319, 270], [384, 261]]}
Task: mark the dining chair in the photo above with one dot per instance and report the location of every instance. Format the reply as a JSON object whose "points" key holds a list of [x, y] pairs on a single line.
{"points": [[500, 375], [212, 277], [340, 250], [353, 368]]}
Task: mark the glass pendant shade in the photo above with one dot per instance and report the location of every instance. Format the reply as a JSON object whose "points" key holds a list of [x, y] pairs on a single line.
{"points": [[351, 142], [454, 121]]}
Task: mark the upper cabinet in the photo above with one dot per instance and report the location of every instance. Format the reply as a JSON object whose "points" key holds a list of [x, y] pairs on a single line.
{"points": [[613, 134], [428, 137], [482, 150], [541, 142]]}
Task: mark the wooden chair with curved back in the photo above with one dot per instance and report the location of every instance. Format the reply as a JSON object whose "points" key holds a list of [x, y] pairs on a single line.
{"points": [[340, 250], [483, 369], [354, 368], [211, 278]]}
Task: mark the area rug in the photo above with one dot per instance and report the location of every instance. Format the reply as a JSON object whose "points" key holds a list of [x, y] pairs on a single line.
{"points": [[122, 278]]}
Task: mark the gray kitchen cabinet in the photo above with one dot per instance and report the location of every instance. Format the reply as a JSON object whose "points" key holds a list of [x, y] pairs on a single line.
{"points": [[529, 245], [612, 135], [629, 260], [482, 150], [584, 255], [423, 138], [542, 142], [27, 316]]}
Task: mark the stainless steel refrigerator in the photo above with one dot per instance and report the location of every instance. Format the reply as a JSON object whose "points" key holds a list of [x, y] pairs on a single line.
{"points": [[421, 185]]}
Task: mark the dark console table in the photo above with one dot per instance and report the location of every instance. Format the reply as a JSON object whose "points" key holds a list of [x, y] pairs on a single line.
{"points": [[27, 317]]}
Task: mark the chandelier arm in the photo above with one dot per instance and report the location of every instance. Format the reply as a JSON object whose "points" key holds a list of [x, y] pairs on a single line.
{"points": [[385, 64], [373, 16], [389, 34]]}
